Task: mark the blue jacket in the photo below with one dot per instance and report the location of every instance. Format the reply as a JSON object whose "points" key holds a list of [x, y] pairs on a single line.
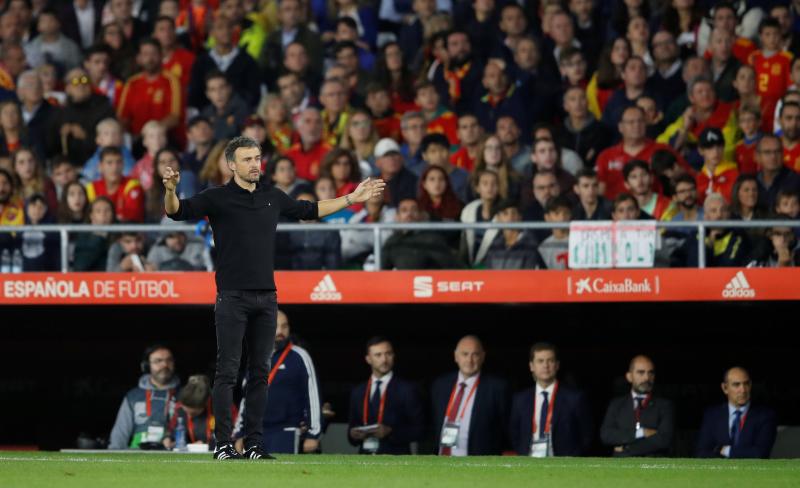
{"points": [[293, 397], [402, 412], [755, 439], [571, 425], [489, 413]]}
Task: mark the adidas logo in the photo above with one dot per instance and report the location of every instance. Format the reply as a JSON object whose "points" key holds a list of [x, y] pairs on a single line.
{"points": [[738, 287], [326, 291]]}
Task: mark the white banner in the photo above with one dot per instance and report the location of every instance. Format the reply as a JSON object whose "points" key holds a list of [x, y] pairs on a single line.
{"points": [[606, 244]]}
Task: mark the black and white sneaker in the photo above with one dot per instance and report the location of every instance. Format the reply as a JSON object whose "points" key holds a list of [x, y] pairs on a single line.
{"points": [[226, 452], [255, 452]]}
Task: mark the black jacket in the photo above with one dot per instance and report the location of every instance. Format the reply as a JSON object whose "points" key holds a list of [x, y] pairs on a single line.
{"points": [[87, 115], [755, 440], [243, 74], [619, 427], [418, 250], [489, 413], [402, 412], [572, 429], [588, 141]]}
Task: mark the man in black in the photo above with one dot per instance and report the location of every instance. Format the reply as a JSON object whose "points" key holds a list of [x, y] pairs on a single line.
{"points": [[244, 216], [638, 423]]}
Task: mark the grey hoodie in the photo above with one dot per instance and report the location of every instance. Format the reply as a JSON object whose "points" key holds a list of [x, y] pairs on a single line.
{"points": [[132, 419]]}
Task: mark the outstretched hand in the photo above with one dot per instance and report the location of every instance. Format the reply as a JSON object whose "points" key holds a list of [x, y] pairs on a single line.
{"points": [[171, 178], [369, 188]]}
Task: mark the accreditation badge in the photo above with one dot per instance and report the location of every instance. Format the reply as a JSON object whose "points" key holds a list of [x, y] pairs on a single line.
{"points": [[450, 432], [540, 448], [370, 445], [155, 433]]}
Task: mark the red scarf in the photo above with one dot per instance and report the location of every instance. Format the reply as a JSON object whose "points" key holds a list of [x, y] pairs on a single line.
{"points": [[454, 81]]}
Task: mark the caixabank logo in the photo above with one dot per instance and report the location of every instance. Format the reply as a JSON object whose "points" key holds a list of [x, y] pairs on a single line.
{"points": [[590, 285], [738, 287]]}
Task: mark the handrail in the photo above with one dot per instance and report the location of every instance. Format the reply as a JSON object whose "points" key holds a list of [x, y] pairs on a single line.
{"points": [[377, 228]]}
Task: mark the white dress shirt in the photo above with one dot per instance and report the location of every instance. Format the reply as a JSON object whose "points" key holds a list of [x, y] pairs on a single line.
{"points": [[537, 407], [225, 61], [460, 449], [385, 379], [85, 23], [634, 396]]}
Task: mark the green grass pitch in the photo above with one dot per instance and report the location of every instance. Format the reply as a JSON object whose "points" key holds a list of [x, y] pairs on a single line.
{"points": [[43, 469]]}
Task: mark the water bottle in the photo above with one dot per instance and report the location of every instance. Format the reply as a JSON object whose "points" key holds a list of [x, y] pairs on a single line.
{"points": [[180, 435], [16, 262], [5, 262]]}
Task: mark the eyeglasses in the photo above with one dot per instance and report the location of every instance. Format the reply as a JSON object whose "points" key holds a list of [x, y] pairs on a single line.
{"points": [[79, 80]]}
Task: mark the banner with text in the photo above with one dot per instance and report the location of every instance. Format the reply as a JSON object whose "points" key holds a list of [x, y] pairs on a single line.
{"points": [[467, 286], [604, 245]]}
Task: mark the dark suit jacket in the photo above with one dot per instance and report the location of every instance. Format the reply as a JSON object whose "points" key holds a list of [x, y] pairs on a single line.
{"points": [[755, 440], [489, 413], [619, 426], [272, 53], [243, 74], [471, 87], [571, 427], [39, 125], [69, 20], [402, 412]]}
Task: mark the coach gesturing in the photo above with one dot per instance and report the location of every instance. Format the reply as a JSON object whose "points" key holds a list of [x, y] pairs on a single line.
{"points": [[244, 216]]}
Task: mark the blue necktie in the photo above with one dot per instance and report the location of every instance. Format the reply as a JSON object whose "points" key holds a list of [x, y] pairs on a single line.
{"points": [[543, 414], [375, 402], [737, 417]]}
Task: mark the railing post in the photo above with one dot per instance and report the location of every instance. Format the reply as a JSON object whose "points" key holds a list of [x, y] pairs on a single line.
{"points": [[701, 245], [64, 250], [376, 246]]}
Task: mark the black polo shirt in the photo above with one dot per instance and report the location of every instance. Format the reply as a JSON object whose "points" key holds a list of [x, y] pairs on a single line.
{"points": [[244, 226]]}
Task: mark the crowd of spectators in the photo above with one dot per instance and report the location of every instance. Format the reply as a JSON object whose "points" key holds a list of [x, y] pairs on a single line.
{"points": [[472, 111]]}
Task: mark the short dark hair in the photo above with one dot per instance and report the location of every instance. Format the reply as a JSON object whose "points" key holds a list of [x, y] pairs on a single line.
{"points": [[767, 23], [238, 143], [149, 41], [348, 21], [376, 87], [543, 346], [585, 173], [213, 75], [272, 165], [164, 18], [632, 165], [662, 160], [434, 139], [342, 45], [422, 84], [555, 204], [569, 52], [786, 193], [100, 48], [685, 178], [786, 105], [766, 137], [110, 151], [9, 177], [622, 198], [50, 11], [453, 32], [197, 119], [375, 340]]}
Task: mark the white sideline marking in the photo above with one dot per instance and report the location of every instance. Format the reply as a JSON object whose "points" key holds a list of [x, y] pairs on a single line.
{"points": [[532, 464]]}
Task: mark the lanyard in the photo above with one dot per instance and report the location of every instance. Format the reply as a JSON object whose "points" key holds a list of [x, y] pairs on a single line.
{"points": [[548, 423], [278, 364], [190, 423], [463, 405], [148, 396], [366, 402], [638, 411]]}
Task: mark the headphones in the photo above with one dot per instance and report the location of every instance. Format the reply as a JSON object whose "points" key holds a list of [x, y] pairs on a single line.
{"points": [[144, 365]]}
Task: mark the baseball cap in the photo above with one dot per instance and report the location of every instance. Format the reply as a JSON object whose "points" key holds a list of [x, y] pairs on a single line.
{"points": [[711, 137], [386, 146], [253, 120]]}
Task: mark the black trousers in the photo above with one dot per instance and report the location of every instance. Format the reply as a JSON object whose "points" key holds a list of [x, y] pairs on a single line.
{"points": [[246, 317]]}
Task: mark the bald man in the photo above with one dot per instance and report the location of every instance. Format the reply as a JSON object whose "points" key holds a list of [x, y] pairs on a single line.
{"points": [[737, 429], [470, 408], [639, 423]]}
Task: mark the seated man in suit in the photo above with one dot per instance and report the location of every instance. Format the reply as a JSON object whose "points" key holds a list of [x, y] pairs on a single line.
{"points": [[549, 419], [638, 423], [389, 406], [737, 429], [468, 405]]}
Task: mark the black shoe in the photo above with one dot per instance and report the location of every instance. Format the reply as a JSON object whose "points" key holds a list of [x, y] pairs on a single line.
{"points": [[255, 452], [226, 452]]}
